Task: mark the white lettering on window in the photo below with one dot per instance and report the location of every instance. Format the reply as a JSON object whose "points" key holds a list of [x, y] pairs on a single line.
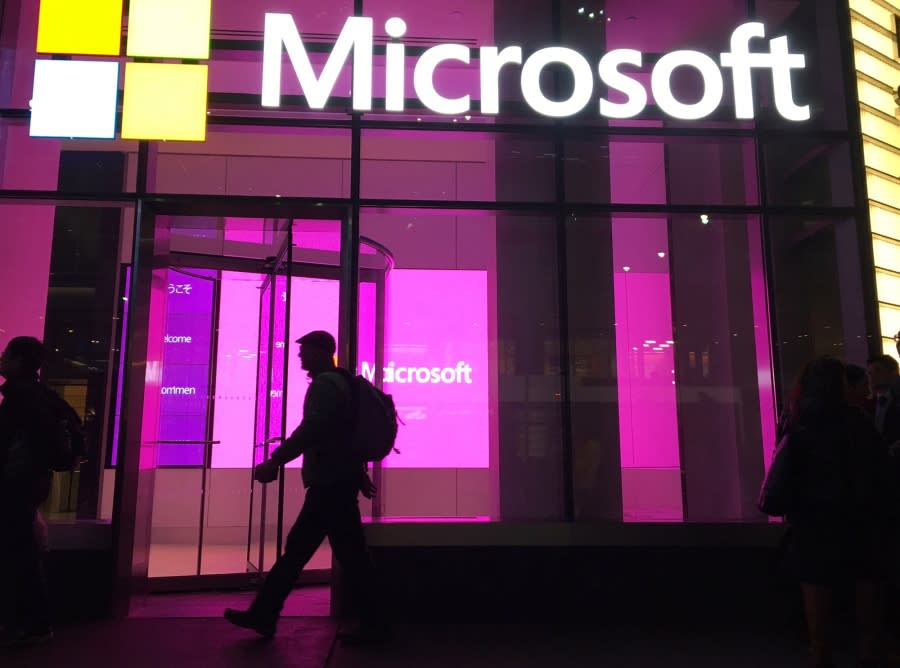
{"points": [[181, 391]]}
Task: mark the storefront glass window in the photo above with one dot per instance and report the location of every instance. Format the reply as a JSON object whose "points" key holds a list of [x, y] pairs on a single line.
{"points": [[586, 317]]}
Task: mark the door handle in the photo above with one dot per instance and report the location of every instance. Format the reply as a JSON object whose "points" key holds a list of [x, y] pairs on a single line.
{"points": [[185, 442]]}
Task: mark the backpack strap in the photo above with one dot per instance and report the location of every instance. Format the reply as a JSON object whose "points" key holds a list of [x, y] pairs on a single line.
{"points": [[353, 416]]}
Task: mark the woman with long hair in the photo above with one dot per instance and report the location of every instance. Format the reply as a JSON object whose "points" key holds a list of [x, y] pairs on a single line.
{"points": [[839, 503]]}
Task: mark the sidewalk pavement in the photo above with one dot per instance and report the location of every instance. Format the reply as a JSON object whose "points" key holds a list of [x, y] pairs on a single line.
{"points": [[309, 642]]}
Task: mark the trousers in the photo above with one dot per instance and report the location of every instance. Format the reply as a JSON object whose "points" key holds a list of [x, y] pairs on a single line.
{"points": [[330, 511]]}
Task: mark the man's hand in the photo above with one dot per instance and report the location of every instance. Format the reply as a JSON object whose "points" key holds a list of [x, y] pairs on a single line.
{"points": [[266, 472], [367, 487]]}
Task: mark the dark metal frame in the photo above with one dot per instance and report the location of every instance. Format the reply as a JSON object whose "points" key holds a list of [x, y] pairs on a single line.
{"points": [[267, 293]]}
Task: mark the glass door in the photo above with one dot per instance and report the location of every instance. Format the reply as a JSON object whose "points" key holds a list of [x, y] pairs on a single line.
{"points": [[266, 515], [238, 291], [184, 432]]}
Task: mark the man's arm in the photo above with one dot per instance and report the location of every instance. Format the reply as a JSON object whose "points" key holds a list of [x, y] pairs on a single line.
{"points": [[319, 412], [310, 430]]}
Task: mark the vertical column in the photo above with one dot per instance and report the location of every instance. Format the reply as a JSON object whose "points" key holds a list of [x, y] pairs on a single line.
{"points": [[137, 460], [718, 386], [135, 482], [597, 466], [648, 420]]}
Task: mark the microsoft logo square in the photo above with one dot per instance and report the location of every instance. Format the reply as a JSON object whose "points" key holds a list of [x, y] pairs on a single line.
{"points": [[162, 101], [84, 27], [73, 98], [169, 29]]}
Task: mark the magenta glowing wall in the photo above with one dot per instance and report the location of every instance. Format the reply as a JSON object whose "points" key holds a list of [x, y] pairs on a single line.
{"points": [[645, 355], [184, 392], [437, 323], [446, 422]]}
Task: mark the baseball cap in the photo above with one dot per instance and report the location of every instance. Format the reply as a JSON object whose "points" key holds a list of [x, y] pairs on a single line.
{"points": [[319, 339]]}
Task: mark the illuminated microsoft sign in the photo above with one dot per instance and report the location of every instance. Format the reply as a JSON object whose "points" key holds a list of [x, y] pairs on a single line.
{"points": [[281, 35]]}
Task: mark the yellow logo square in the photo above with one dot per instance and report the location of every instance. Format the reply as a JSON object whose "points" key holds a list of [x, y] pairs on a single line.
{"points": [[84, 27], [169, 29], [165, 101]]}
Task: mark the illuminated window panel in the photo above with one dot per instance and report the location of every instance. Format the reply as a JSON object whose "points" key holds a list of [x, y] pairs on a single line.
{"points": [[874, 12], [169, 29], [166, 102], [888, 286], [879, 127], [884, 159], [880, 69], [887, 253], [74, 99], [884, 221], [874, 38], [874, 26], [890, 320], [878, 97], [882, 189], [86, 27]]}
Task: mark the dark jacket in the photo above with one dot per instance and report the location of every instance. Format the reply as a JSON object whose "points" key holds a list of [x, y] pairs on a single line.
{"points": [[890, 427], [26, 428], [323, 437], [841, 469]]}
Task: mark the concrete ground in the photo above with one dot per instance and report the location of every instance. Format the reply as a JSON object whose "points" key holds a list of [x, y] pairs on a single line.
{"points": [[309, 642], [187, 631]]}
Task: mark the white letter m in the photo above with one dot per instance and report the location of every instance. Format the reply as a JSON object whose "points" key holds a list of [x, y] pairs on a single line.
{"points": [[355, 36]]}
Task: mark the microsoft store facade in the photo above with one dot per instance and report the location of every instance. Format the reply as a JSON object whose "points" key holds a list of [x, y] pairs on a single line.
{"points": [[587, 247]]}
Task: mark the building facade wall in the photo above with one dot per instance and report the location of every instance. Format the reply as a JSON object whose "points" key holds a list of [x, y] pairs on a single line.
{"points": [[650, 287]]}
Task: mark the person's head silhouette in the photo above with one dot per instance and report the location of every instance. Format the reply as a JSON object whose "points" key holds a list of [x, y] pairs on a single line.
{"points": [[317, 352], [23, 357]]}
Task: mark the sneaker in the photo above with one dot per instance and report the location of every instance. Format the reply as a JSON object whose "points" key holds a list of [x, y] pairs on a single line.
{"points": [[17, 639], [247, 620]]}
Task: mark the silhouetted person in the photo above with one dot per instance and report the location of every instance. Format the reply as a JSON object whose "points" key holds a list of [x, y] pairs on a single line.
{"points": [[839, 507], [25, 434], [884, 377], [333, 477], [857, 387]]}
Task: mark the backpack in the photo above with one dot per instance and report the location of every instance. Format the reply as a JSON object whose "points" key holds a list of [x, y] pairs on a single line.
{"points": [[375, 419], [778, 486], [66, 446]]}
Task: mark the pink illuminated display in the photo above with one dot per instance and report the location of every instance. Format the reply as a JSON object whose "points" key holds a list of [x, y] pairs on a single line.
{"points": [[185, 388], [436, 362], [646, 364], [236, 361]]}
